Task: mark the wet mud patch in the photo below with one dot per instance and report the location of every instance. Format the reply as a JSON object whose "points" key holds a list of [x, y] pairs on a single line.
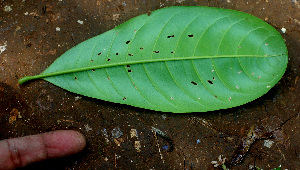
{"points": [[16, 116]]}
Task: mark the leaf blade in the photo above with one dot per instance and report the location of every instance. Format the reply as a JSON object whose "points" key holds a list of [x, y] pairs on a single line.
{"points": [[178, 59]]}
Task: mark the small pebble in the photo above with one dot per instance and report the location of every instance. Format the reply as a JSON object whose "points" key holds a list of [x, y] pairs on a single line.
{"points": [[268, 143], [166, 147], [7, 8], [80, 22], [116, 133]]}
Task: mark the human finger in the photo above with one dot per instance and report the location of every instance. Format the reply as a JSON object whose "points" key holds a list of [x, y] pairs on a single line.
{"points": [[19, 152]]}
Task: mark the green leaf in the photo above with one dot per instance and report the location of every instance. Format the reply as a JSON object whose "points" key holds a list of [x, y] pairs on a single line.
{"points": [[177, 59]]}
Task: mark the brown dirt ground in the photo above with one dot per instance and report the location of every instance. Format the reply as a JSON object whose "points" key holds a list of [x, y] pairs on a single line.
{"points": [[32, 44]]}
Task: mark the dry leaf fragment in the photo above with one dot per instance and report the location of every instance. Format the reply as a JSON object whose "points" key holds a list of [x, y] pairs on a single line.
{"points": [[14, 114]]}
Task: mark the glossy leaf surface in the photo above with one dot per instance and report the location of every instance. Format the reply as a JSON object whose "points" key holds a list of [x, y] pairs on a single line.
{"points": [[178, 59]]}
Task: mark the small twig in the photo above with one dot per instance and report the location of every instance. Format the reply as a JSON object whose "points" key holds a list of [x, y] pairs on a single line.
{"points": [[254, 134], [161, 156]]}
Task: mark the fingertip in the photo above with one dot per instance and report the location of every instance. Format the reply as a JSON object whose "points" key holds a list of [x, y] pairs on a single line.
{"points": [[63, 143]]}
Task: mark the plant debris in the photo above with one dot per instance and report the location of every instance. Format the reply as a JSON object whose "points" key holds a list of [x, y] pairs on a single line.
{"points": [[14, 114], [254, 134]]}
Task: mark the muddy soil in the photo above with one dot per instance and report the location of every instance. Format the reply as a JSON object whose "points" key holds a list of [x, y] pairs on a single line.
{"points": [[34, 33]]}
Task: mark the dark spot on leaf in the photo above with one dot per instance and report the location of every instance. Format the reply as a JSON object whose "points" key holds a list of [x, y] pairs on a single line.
{"points": [[75, 78], [108, 59], [191, 35], [210, 82], [216, 96], [130, 54], [108, 78], [141, 48], [213, 78], [93, 70], [172, 52], [170, 36], [127, 42], [92, 60], [128, 66], [194, 83], [117, 53], [124, 98], [99, 53], [129, 70], [156, 51]]}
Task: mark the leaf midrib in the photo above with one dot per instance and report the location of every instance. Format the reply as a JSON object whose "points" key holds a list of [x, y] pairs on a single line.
{"points": [[40, 76]]}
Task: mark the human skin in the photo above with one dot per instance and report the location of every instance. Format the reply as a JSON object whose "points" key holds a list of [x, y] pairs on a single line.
{"points": [[20, 152]]}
